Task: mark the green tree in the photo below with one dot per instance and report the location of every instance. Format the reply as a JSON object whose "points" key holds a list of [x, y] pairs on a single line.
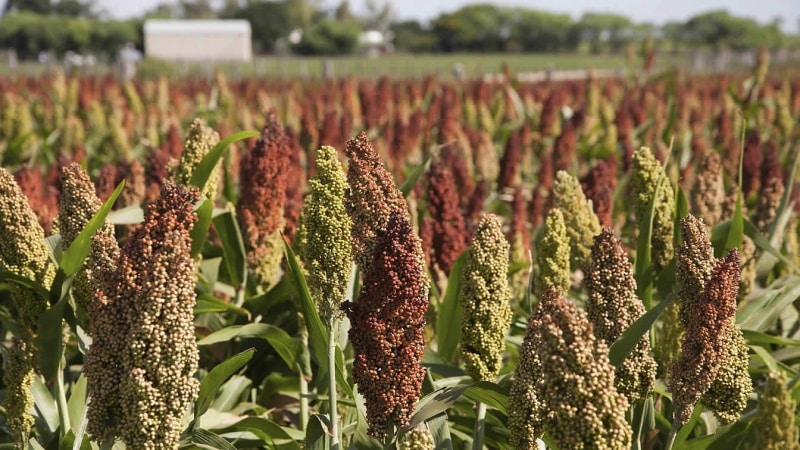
{"points": [[541, 31], [269, 22], [411, 36], [603, 31], [329, 37], [34, 6], [478, 28], [720, 30]]}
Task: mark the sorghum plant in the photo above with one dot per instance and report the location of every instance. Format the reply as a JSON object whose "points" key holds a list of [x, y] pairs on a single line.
{"points": [[774, 424], [260, 206], [646, 174], [140, 368], [387, 328], [580, 220], [23, 252], [612, 307]]}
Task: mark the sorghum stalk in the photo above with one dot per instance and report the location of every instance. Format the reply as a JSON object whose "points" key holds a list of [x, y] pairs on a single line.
{"points": [[564, 383], [323, 240], [704, 346]]}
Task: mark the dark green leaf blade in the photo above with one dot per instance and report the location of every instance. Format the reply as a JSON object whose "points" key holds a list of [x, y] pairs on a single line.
{"points": [[212, 382], [73, 257], [623, 346], [50, 340], [448, 319], [200, 229], [234, 253], [207, 164]]}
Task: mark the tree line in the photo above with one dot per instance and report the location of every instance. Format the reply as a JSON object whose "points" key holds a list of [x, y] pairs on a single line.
{"points": [[32, 26]]}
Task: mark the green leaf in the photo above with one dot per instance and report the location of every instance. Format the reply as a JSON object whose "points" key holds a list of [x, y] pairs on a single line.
{"points": [[435, 403], [207, 439], [207, 164], [441, 432], [289, 349], [623, 346], [448, 319], [757, 338], [489, 393], [685, 430], [760, 314], [212, 382], [269, 432], [736, 231], [752, 232], [45, 404], [643, 267], [19, 280], [411, 180], [207, 303], [73, 257], [317, 335], [234, 253], [765, 356], [317, 433], [76, 404], [205, 209], [50, 341]]}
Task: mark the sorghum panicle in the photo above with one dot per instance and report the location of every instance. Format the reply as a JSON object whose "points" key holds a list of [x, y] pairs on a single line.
{"points": [[323, 236], [774, 424], [695, 261], [645, 176], [708, 193], [263, 195], [450, 236], [576, 380], [485, 299], [387, 325], [371, 196], [552, 255], [140, 368], [704, 346], [199, 141], [581, 221], [612, 307], [79, 203]]}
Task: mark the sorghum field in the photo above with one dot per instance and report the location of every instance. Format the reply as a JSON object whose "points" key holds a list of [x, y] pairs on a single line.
{"points": [[605, 263]]}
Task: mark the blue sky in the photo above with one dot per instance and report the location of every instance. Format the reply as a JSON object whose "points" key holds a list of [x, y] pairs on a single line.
{"points": [[656, 12]]}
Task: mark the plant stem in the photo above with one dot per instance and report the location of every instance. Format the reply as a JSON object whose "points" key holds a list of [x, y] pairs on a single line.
{"points": [[61, 398], [332, 385], [480, 426], [303, 381], [673, 433]]}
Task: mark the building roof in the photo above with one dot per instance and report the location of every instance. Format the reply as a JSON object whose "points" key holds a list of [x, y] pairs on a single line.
{"points": [[196, 26]]}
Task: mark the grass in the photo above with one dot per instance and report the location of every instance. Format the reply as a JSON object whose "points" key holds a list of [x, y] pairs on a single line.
{"points": [[400, 65]]}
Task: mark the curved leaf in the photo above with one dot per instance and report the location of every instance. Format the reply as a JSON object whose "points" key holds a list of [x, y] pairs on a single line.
{"points": [[73, 257], [317, 433], [207, 439], [212, 382], [234, 253], [50, 340], [207, 164], [448, 319], [289, 349], [205, 209], [623, 346]]}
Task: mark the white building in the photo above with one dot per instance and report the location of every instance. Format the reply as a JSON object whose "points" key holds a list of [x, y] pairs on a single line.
{"points": [[198, 40]]}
